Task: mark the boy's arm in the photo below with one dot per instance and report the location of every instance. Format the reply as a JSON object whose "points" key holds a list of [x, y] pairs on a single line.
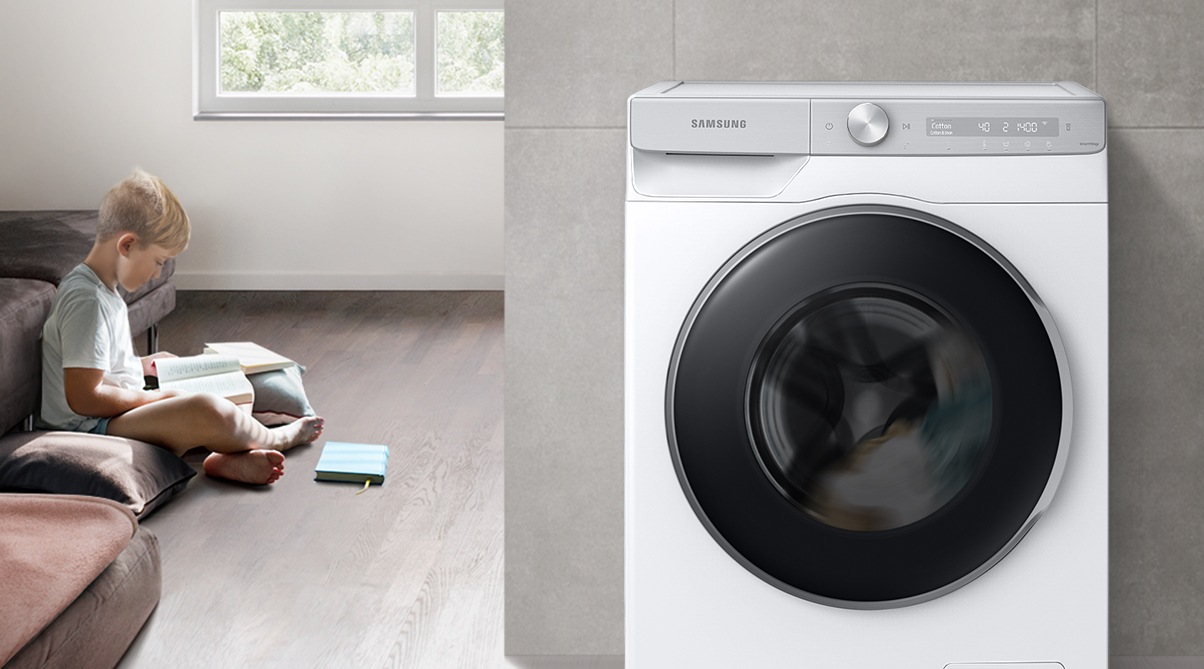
{"points": [[88, 394]]}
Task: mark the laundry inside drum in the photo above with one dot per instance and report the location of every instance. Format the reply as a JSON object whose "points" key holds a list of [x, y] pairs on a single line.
{"points": [[871, 407]]}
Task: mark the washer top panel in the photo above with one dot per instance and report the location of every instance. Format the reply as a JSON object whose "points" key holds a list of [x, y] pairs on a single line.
{"points": [[779, 118], [833, 89]]}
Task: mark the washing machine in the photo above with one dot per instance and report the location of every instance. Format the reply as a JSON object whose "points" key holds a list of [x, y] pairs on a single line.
{"points": [[866, 376]]}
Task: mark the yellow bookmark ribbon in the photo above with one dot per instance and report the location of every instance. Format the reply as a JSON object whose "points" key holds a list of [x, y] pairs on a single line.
{"points": [[366, 484]]}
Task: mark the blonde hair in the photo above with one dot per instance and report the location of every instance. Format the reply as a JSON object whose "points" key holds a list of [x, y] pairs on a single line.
{"points": [[145, 206]]}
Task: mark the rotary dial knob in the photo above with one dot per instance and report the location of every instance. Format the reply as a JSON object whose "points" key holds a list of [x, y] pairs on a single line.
{"points": [[868, 124]]}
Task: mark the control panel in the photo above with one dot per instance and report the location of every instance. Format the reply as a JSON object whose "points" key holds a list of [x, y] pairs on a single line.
{"points": [[956, 127]]}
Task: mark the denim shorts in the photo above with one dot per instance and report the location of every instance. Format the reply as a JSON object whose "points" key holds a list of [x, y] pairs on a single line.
{"points": [[102, 427]]}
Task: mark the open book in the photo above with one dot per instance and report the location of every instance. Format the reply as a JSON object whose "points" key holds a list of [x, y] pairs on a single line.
{"points": [[217, 374], [251, 356]]}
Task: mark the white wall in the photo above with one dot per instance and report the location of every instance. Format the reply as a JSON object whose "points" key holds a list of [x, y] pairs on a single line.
{"points": [[89, 90]]}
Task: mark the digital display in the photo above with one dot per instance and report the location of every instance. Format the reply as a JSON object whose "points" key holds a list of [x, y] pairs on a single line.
{"points": [[1012, 126]]}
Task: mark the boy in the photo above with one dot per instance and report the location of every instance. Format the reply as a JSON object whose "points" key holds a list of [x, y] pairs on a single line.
{"points": [[91, 378]]}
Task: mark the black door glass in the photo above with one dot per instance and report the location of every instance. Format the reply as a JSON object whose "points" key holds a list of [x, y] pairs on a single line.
{"points": [[867, 330], [870, 407]]}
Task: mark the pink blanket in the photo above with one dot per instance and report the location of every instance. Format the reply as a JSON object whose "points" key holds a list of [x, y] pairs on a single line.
{"points": [[51, 548]]}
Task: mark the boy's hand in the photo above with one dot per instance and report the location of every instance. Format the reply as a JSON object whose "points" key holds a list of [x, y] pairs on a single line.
{"points": [[148, 362]]}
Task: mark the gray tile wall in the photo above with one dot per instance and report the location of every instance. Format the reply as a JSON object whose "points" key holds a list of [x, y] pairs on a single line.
{"points": [[571, 66]]}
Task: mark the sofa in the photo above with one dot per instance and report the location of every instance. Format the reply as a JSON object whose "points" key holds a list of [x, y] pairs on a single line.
{"points": [[66, 496]]}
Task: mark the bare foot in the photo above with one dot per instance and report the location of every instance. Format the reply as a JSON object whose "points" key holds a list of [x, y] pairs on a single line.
{"points": [[258, 466], [301, 431]]}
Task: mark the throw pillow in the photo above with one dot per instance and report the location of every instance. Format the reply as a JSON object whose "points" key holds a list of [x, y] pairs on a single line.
{"points": [[41, 248], [280, 396], [133, 473]]}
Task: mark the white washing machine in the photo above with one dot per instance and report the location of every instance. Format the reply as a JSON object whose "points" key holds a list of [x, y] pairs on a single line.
{"points": [[866, 376]]}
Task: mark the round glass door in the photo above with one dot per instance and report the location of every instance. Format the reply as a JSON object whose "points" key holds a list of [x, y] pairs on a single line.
{"points": [[868, 407]]}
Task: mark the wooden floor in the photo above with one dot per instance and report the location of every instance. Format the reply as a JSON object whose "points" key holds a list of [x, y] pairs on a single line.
{"points": [[409, 574], [308, 574]]}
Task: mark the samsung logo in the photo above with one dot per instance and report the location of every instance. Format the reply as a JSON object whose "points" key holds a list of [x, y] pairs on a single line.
{"points": [[718, 123]]}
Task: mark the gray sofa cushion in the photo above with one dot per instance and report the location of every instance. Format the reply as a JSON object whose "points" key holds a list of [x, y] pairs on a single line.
{"points": [[150, 309], [45, 245], [82, 221], [24, 305], [40, 247], [51, 548], [129, 472], [98, 627]]}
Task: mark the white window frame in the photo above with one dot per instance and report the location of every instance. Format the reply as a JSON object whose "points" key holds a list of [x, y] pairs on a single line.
{"points": [[424, 104]]}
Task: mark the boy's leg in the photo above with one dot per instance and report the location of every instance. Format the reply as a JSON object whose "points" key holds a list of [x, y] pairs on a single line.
{"points": [[244, 450], [185, 422]]}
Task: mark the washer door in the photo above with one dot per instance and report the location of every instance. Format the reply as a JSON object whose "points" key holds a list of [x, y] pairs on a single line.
{"points": [[868, 407]]}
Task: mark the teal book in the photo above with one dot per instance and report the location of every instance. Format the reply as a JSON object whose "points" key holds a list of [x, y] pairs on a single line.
{"points": [[354, 463]]}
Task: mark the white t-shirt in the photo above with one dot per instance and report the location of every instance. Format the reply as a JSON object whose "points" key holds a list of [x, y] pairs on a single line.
{"points": [[88, 327]]}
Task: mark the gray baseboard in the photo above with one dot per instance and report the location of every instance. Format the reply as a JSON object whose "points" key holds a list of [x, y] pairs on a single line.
{"points": [[1136, 662], [616, 662]]}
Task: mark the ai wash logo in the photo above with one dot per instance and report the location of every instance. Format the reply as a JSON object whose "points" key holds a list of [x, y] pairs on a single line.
{"points": [[718, 123]]}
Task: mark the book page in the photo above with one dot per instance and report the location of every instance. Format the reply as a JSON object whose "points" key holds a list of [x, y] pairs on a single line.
{"points": [[172, 369], [230, 384], [253, 357]]}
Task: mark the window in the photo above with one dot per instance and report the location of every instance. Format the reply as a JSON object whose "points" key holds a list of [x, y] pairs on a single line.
{"points": [[382, 58]]}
